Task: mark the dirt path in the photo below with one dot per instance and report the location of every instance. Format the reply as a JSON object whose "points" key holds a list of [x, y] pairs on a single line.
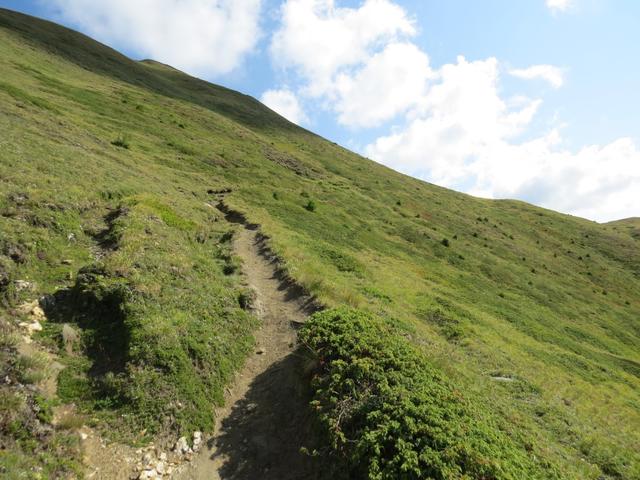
{"points": [[265, 422]]}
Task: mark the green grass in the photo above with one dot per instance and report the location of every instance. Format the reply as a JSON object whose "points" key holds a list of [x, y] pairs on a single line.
{"points": [[30, 449], [517, 291]]}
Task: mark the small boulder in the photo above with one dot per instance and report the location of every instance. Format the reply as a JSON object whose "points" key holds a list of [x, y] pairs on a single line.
{"points": [[32, 327], [32, 310], [182, 447], [197, 441]]}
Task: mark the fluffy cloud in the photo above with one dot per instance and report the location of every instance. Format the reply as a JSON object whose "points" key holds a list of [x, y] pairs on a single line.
{"points": [[388, 84], [358, 60], [285, 103], [453, 125], [559, 5], [553, 75], [464, 136], [202, 37], [456, 121]]}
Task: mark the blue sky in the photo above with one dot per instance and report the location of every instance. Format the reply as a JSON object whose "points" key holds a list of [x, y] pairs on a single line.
{"points": [[534, 99]]}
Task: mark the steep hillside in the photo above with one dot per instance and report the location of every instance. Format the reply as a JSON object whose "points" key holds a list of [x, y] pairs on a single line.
{"points": [[630, 225], [508, 335]]}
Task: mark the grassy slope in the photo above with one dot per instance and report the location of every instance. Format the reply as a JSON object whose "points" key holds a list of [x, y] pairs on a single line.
{"points": [[548, 299]]}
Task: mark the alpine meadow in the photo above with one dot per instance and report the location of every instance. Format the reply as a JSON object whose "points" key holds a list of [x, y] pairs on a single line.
{"points": [[177, 258]]}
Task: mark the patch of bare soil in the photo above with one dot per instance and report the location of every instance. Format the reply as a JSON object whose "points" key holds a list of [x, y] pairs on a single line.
{"points": [[266, 420]]}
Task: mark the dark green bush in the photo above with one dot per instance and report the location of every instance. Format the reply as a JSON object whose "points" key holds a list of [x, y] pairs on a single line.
{"points": [[247, 298], [342, 261], [390, 414], [310, 206], [232, 264]]}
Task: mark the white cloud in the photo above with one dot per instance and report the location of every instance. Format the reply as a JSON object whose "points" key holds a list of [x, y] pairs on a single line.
{"points": [[559, 5], [464, 136], [454, 126], [551, 74], [457, 119], [319, 39], [285, 103], [390, 83], [358, 60], [202, 37]]}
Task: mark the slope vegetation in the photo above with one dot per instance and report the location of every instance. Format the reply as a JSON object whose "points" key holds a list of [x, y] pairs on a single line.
{"points": [[509, 326]]}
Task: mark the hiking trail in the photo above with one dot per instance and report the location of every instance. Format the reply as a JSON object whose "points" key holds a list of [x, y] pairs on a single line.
{"points": [[265, 420]]}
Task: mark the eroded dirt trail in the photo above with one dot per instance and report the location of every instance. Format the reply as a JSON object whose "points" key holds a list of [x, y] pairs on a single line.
{"points": [[265, 421]]}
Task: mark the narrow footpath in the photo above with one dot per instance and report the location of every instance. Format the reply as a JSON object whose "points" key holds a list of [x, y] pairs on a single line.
{"points": [[265, 421]]}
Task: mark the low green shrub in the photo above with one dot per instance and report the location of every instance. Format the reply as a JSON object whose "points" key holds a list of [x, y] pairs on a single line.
{"points": [[232, 264], [121, 142], [390, 414], [342, 260]]}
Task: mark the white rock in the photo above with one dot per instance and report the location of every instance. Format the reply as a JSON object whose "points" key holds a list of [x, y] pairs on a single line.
{"points": [[181, 446], [32, 327], [161, 468], [148, 474], [197, 441], [162, 457], [27, 307], [23, 285]]}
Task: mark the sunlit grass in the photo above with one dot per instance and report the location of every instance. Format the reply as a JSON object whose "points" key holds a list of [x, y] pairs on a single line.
{"points": [[549, 300]]}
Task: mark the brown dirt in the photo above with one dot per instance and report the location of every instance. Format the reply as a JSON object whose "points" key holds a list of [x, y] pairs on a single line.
{"points": [[260, 431], [106, 461]]}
